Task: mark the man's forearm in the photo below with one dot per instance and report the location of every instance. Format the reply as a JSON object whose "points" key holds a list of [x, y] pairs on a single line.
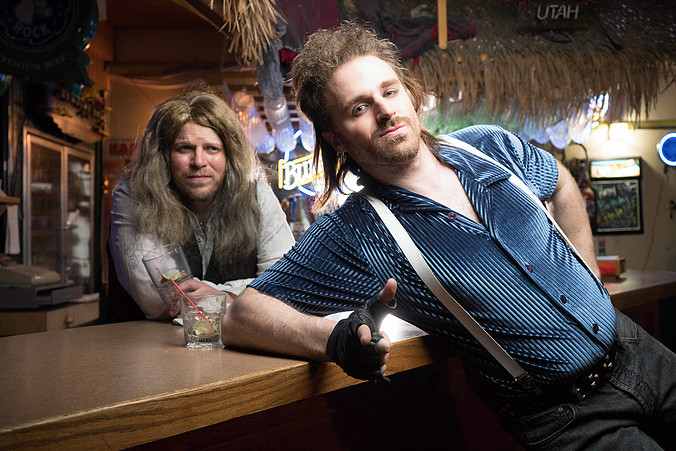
{"points": [[570, 213], [261, 322]]}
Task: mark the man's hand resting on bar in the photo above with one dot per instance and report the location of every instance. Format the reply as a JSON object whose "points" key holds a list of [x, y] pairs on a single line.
{"points": [[356, 344]]}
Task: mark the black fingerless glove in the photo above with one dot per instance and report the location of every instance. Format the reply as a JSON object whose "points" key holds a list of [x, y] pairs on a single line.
{"points": [[357, 360]]}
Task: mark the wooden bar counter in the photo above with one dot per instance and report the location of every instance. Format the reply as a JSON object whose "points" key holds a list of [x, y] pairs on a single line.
{"points": [[134, 384]]}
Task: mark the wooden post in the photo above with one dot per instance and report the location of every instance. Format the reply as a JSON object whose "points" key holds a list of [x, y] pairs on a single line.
{"points": [[441, 24]]}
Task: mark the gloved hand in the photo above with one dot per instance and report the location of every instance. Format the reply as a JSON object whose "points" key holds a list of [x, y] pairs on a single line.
{"points": [[344, 347]]}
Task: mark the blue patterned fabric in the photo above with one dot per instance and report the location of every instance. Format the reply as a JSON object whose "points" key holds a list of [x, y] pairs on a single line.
{"points": [[513, 273]]}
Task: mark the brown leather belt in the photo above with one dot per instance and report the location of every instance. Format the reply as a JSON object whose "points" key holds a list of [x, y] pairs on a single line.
{"points": [[574, 392]]}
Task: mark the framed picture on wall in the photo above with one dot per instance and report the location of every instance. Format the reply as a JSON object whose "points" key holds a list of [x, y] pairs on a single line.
{"points": [[617, 185], [618, 206]]}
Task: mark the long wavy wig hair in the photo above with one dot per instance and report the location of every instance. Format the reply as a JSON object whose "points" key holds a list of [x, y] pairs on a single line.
{"points": [[160, 210], [324, 52]]}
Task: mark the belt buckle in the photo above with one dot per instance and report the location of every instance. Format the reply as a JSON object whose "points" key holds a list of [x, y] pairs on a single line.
{"points": [[583, 388]]}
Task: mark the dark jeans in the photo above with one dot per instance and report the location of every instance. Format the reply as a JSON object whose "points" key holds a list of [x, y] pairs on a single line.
{"points": [[635, 408]]}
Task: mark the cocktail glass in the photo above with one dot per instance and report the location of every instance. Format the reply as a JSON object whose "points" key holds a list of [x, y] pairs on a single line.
{"points": [[167, 268], [202, 316]]}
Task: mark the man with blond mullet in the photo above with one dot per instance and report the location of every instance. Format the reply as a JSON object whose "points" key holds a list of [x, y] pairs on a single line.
{"points": [[598, 381]]}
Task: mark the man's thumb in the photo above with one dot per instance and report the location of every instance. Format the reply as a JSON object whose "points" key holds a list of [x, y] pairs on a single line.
{"points": [[383, 303]]}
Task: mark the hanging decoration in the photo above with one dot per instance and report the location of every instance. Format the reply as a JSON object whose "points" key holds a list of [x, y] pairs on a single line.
{"points": [[249, 24], [245, 107], [577, 127], [307, 132], [279, 118], [447, 115]]}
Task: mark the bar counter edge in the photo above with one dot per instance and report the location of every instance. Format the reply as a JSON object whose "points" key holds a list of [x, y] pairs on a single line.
{"points": [[265, 383]]}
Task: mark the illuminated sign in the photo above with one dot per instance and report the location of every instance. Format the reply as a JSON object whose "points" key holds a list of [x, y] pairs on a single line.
{"points": [[296, 173], [624, 167], [119, 147]]}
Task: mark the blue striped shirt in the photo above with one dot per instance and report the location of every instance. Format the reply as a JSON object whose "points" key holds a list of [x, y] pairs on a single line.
{"points": [[513, 273]]}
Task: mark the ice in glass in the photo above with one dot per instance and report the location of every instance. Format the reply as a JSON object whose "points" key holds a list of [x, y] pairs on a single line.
{"points": [[202, 317]]}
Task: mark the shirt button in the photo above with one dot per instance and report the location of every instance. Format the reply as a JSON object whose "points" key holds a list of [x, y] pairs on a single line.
{"points": [[564, 299], [529, 268], [451, 216], [595, 328]]}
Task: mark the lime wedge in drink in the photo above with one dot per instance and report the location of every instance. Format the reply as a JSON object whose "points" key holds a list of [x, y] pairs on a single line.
{"points": [[174, 274], [203, 327]]}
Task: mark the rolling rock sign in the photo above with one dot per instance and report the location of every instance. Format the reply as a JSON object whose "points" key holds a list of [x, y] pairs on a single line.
{"points": [[43, 40]]}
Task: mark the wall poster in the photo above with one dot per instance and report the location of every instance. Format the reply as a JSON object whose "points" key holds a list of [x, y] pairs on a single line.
{"points": [[618, 206]]}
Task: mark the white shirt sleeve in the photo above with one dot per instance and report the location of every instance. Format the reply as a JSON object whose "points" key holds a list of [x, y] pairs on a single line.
{"points": [[127, 248]]}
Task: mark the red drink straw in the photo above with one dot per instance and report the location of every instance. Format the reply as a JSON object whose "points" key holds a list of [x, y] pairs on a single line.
{"points": [[189, 300]]}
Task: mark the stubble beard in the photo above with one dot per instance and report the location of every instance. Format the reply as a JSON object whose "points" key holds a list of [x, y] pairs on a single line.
{"points": [[401, 149], [198, 195], [202, 196]]}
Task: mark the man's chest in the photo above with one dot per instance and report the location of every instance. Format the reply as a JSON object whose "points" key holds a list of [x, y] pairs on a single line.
{"points": [[451, 193]]}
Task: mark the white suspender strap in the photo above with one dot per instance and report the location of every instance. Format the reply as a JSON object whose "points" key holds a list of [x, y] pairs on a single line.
{"points": [[425, 273]]}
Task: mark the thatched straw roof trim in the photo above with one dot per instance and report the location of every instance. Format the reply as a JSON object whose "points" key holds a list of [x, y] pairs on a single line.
{"points": [[548, 85], [250, 25], [626, 48]]}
